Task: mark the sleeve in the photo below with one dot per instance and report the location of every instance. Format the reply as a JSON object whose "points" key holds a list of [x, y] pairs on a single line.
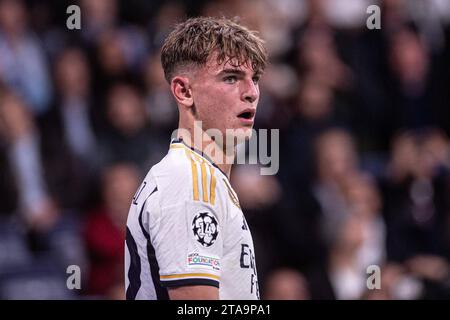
{"points": [[189, 243]]}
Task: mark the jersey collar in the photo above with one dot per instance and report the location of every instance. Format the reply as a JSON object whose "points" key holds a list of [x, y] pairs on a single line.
{"points": [[200, 153]]}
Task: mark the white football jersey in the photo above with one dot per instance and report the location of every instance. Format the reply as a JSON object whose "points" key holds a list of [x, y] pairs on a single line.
{"points": [[185, 227]]}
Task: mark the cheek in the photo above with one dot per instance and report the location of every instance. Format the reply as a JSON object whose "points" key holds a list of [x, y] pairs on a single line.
{"points": [[215, 102], [217, 105], [223, 110]]}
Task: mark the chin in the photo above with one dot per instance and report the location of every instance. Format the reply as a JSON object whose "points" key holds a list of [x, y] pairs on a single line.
{"points": [[248, 133]]}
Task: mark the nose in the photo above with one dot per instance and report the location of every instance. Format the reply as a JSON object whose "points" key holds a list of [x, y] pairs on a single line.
{"points": [[250, 92]]}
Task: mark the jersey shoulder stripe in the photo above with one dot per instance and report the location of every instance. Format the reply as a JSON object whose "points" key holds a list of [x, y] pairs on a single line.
{"points": [[203, 173], [134, 272]]}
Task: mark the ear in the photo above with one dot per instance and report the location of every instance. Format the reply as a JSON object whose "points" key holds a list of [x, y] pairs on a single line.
{"points": [[182, 91]]}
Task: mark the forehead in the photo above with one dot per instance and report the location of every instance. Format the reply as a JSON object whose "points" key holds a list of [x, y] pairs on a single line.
{"points": [[213, 67]]}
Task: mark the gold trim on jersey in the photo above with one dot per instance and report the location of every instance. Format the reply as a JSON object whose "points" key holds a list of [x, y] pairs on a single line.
{"points": [[194, 178], [204, 187], [212, 196], [188, 275], [196, 186]]}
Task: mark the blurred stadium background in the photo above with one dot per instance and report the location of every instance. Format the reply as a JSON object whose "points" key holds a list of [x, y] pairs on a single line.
{"points": [[364, 119]]}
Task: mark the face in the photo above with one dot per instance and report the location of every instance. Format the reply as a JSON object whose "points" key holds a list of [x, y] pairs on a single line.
{"points": [[336, 157], [125, 110], [73, 73], [119, 185], [225, 97]]}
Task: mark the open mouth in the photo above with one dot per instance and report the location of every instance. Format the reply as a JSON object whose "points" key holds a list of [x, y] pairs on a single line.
{"points": [[247, 114]]}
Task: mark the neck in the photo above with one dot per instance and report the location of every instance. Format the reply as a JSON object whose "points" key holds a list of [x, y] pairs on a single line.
{"points": [[196, 138]]}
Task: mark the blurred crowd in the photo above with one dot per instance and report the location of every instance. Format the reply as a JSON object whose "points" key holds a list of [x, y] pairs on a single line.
{"points": [[364, 120]]}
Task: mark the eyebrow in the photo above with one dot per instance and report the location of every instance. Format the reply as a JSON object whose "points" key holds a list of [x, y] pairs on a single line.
{"points": [[238, 72]]}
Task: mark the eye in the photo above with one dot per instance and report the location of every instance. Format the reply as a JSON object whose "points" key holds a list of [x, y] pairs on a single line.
{"points": [[255, 80], [230, 79]]}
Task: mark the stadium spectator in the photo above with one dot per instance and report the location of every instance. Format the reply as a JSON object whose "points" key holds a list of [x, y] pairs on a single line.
{"points": [[23, 66], [364, 151], [69, 133], [103, 230]]}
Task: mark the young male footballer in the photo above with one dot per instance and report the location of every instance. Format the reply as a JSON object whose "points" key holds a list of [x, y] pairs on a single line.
{"points": [[186, 235]]}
